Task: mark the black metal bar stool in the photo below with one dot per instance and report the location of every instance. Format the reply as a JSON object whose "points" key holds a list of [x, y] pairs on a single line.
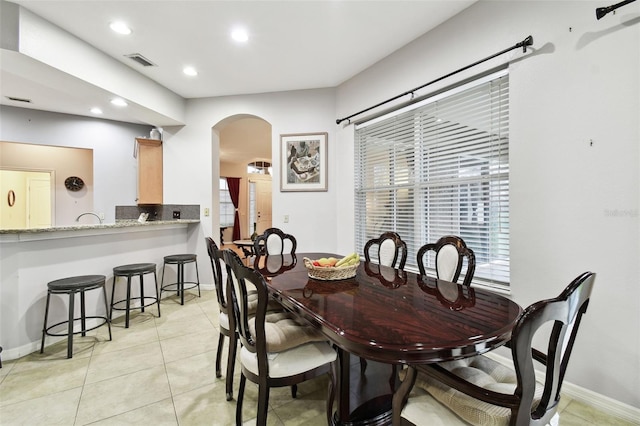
{"points": [[71, 286], [129, 271], [180, 285]]}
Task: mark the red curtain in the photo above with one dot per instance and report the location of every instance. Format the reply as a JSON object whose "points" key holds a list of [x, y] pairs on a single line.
{"points": [[234, 192]]}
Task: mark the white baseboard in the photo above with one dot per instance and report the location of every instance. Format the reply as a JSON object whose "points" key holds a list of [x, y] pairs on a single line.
{"points": [[601, 402]]}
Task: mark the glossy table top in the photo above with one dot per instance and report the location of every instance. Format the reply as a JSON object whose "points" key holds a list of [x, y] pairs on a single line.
{"points": [[395, 316]]}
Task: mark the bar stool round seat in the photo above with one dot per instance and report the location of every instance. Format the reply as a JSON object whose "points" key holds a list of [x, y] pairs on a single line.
{"points": [[180, 285], [71, 286], [130, 271]]}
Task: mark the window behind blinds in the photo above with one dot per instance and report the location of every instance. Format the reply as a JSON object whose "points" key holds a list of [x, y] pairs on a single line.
{"points": [[227, 210], [440, 167]]}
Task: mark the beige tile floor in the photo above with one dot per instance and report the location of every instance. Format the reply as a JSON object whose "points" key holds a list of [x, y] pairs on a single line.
{"points": [[161, 371]]}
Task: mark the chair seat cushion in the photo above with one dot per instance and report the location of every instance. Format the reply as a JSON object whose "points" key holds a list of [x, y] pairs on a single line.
{"points": [[283, 332], [223, 321], [252, 304], [481, 371], [292, 361], [423, 409]]}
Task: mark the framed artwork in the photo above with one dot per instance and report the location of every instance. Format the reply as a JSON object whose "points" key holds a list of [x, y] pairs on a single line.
{"points": [[303, 162]]}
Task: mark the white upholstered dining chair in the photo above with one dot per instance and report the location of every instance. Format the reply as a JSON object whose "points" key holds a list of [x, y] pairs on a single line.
{"points": [[450, 254], [482, 391], [274, 241], [277, 348], [388, 249], [215, 255]]}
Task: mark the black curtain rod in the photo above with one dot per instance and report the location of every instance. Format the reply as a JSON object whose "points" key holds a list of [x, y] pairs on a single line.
{"points": [[601, 11], [524, 43]]}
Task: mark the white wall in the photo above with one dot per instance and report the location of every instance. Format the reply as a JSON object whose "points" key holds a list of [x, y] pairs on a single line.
{"points": [[112, 142], [191, 160], [574, 206]]}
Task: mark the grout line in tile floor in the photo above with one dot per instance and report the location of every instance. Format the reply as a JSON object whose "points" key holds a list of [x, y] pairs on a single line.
{"points": [[162, 371]]}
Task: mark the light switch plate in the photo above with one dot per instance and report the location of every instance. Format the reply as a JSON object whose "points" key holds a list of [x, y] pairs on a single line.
{"points": [[286, 218], [206, 212]]}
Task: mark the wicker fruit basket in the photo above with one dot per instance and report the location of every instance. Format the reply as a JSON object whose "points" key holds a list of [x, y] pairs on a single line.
{"points": [[329, 273]]}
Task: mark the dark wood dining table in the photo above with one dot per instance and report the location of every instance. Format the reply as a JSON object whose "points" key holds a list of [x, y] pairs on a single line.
{"points": [[390, 317]]}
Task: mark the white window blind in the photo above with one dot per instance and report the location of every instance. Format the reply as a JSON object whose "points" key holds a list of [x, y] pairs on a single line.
{"points": [[227, 211], [440, 167]]}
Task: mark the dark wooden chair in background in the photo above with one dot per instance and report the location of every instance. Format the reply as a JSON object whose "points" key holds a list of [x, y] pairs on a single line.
{"points": [[389, 250], [274, 241], [450, 252]]}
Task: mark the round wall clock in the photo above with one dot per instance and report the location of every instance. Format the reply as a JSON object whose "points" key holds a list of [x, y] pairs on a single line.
{"points": [[74, 183]]}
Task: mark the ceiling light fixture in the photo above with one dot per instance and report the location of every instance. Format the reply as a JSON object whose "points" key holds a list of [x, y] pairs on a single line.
{"points": [[190, 71], [120, 27], [96, 110], [240, 35], [119, 102]]}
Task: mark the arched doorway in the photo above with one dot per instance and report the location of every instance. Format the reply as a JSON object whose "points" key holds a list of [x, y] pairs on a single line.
{"points": [[245, 139]]}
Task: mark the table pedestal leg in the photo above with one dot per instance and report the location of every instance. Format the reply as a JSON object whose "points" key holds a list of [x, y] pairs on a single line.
{"points": [[363, 399]]}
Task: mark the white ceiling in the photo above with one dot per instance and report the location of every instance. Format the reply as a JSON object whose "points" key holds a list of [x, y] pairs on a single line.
{"points": [[293, 45]]}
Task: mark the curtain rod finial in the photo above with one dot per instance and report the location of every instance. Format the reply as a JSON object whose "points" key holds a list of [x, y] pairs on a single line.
{"points": [[601, 11]]}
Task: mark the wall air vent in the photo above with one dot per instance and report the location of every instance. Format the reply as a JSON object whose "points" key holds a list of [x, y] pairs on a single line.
{"points": [[11, 98], [141, 60]]}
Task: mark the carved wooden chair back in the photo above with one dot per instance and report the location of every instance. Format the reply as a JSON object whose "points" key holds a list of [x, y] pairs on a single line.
{"points": [[215, 255], [274, 241], [389, 250], [450, 254]]}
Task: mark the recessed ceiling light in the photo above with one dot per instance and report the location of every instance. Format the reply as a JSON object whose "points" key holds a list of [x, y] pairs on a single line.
{"points": [[240, 35], [190, 71], [96, 110], [120, 27], [118, 102]]}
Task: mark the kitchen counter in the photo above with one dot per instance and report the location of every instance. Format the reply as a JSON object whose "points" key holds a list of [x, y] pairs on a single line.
{"points": [[32, 234], [33, 257]]}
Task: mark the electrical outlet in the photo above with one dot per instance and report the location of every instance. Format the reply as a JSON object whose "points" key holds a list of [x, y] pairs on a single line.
{"points": [[176, 214], [286, 218], [101, 216]]}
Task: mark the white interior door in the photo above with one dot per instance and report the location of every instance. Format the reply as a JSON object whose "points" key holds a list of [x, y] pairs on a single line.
{"points": [[39, 203], [263, 205]]}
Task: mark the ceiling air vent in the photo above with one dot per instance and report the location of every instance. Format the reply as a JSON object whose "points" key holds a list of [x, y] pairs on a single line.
{"points": [[11, 98], [141, 60]]}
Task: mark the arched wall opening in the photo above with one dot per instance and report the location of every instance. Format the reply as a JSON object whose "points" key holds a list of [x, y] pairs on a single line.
{"points": [[242, 139]]}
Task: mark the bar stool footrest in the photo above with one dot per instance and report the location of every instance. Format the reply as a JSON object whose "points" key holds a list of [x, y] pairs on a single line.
{"points": [[188, 285], [153, 301], [66, 333]]}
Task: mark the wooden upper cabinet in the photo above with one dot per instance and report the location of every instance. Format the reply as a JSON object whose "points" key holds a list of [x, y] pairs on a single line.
{"points": [[149, 171]]}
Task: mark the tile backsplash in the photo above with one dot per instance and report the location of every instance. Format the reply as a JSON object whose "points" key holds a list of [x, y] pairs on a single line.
{"points": [[159, 211]]}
